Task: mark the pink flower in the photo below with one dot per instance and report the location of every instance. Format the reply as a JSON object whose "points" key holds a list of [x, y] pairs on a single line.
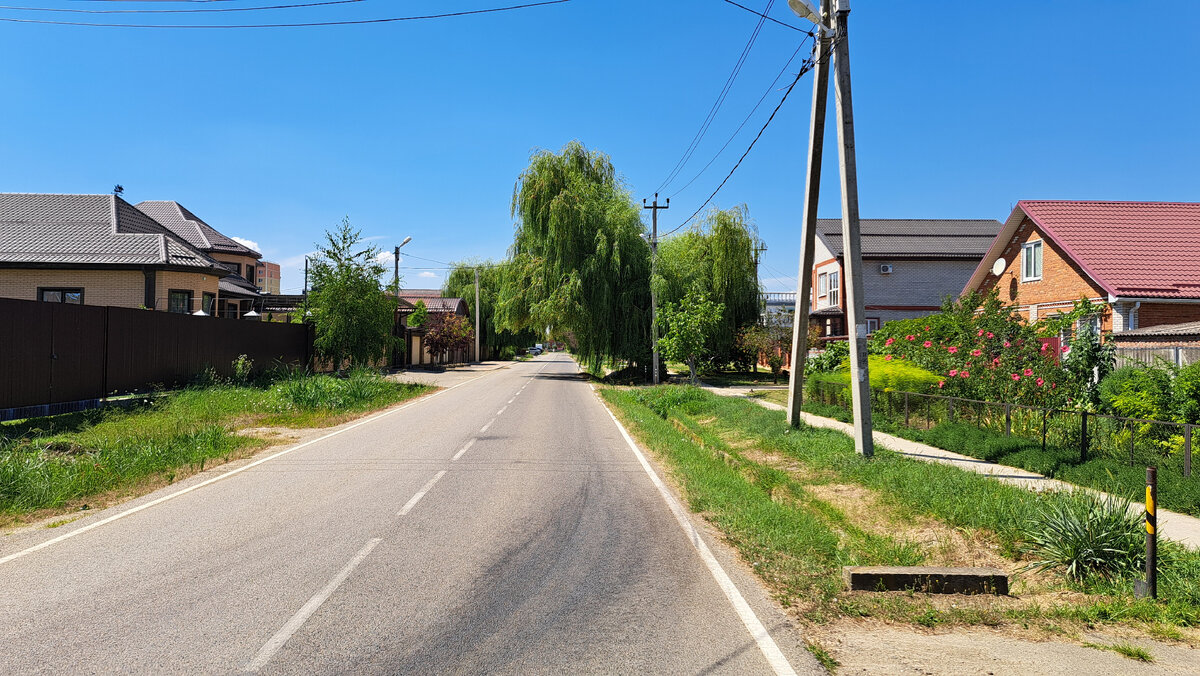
{"points": [[910, 337], [1028, 372], [926, 328], [1040, 382], [965, 374], [952, 349], [1016, 376], [889, 341], [1052, 386], [991, 335], [888, 358], [941, 384], [1044, 346], [976, 353], [1065, 348], [953, 372], [928, 343], [1007, 344], [995, 360], [981, 332]]}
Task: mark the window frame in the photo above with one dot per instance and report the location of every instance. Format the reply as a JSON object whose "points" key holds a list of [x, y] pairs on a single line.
{"points": [[208, 302], [63, 291], [873, 321], [191, 296], [1031, 267], [835, 287]]}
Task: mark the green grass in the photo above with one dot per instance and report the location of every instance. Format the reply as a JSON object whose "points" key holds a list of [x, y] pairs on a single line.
{"points": [[1125, 649], [53, 462], [798, 544], [822, 655], [740, 378]]}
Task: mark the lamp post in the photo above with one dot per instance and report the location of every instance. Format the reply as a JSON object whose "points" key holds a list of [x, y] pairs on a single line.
{"points": [[396, 266]]}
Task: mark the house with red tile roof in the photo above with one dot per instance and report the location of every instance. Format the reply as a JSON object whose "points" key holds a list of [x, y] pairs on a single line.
{"points": [[1140, 259]]}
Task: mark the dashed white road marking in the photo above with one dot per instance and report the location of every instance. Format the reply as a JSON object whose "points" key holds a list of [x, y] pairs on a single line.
{"points": [[502, 410], [243, 468], [276, 642], [462, 450], [514, 397], [412, 502], [762, 637], [485, 427]]}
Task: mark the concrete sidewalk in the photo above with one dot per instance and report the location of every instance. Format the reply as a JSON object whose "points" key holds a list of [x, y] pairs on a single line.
{"points": [[1171, 525]]}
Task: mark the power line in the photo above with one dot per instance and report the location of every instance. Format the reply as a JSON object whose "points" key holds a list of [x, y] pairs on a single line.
{"points": [[177, 11], [785, 25], [716, 106], [307, 24], [808, 65], [747, 119]]}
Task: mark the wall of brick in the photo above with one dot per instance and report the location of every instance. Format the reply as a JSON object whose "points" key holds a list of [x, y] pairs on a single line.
{"points": [[120, 288], [242, 261], [1062, 283], [1157, 314], [197, 283]]}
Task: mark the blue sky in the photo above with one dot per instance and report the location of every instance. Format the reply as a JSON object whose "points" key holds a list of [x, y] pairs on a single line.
{"points": [[421, 128]]}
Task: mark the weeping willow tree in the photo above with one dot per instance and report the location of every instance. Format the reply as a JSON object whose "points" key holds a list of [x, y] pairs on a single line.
{"points": [[578, 265], [460, 283], [715, 259]]}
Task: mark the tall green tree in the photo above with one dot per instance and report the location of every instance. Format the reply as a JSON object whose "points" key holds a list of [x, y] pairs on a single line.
{"points": [[351, 314], [715, 258], [460, 283], [578, 263]]}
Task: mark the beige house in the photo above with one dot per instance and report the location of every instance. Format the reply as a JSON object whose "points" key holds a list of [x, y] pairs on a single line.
{"points": [[239, 293], [100, 250]]}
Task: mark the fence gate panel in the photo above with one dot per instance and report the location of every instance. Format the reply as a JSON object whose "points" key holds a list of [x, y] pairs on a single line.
{"points": [[25, 351], [77, 347]]}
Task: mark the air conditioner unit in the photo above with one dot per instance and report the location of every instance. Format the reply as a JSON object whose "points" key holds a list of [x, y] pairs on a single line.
{"points": [[885, 269]]}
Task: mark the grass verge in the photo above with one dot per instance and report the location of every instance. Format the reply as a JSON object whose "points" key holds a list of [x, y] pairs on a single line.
{"points": [[60, 463], [800, 504]]}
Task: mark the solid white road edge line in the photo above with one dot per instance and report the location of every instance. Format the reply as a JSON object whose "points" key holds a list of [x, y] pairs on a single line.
{"points": [[462, 450], [766, 644], [276, 642], [412, 502], [243, 468]]}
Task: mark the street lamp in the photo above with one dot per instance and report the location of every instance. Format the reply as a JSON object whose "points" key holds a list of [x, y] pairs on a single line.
{"points": [[396, 270], [806, 10]]}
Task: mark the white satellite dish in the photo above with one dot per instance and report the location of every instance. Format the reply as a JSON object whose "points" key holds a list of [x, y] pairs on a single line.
{"points": [[999, 266]]}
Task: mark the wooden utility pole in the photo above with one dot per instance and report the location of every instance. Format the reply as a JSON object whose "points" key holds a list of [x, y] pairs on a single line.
{"points": [[812, 197], [653, 270], [396, 271], [477, 357], [860, 383]]}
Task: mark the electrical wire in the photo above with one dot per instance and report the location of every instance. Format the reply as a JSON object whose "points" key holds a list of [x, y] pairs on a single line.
{"points": [[808, 66], [785, 25], [307, 24], [716, 106], [177, 11], [747, 118]]}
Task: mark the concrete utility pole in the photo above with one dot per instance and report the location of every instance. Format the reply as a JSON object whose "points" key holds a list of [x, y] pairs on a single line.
{"points": [[860, 385], [812, 197], [653, 270], [396, 269], [477, 357]]}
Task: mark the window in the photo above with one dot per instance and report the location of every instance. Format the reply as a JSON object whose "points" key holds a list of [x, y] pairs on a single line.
{"points": [[872, 324], [179, 301], [74, 296], [822, 285], [835, 287], [232, 267], [1089, 323], [249, 271], [208, 300], [1031, 261]]}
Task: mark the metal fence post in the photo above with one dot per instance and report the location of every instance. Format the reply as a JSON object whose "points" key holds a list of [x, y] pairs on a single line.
{"points": [[1083, 439], [1131, 443], [1187, 450], [950, 410], [1045, 412], [906, 409], [1008, 420]]}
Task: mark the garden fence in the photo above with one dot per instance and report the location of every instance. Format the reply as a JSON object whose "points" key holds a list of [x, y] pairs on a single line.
{"points": [[1172, 354], [56, 357], [1135, 440]]}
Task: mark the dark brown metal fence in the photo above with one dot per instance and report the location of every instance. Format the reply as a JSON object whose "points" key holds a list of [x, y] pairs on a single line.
{"points": [[52, 352]]}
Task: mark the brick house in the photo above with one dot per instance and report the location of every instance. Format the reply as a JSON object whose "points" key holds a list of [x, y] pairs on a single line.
{"points": [[239, 293], [1140, 259], [415, 353], [909, 267], [100, 250]]}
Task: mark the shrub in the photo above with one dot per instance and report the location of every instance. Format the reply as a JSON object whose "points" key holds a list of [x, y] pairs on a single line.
{"points": [[664, 398], [1137, 392], [241, 369], [836, 352], [1185, 394], [1085, 535], [888, 374]]}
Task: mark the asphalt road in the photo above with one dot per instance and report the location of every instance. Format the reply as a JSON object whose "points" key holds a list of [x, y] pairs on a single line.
{"points": [[501, 526]]}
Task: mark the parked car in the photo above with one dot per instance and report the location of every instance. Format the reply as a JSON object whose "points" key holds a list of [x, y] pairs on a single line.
{"points": [[535, 350]]}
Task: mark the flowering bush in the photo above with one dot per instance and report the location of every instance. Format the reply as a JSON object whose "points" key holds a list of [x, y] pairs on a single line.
{"points": [[981, 348]]}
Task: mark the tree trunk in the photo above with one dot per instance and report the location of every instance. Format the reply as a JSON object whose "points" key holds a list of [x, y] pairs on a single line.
{"points": [[692, 369]]}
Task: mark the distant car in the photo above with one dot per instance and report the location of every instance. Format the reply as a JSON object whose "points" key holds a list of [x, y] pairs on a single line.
{"points": [[535, 350]]}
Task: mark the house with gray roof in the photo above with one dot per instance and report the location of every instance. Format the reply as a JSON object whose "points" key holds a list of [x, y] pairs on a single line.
{"points": [[100, 250], [239, 293], [909, 267]]}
